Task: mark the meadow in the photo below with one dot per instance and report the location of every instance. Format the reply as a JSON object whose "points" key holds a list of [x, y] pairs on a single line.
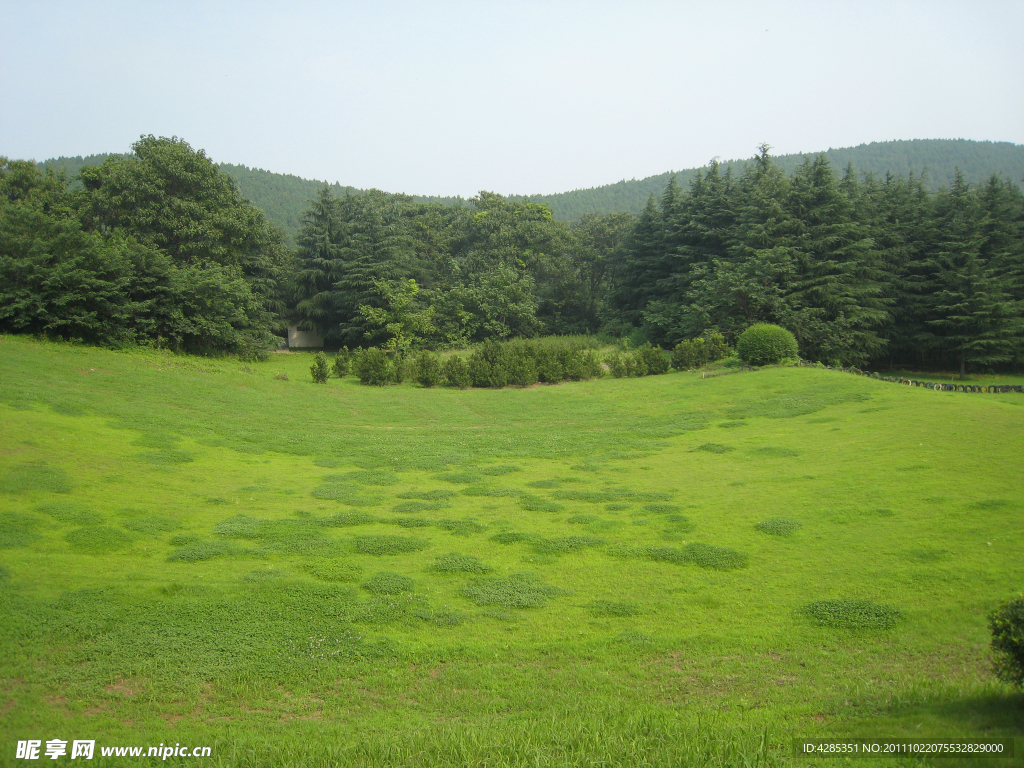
{"points": [[672, 570]]}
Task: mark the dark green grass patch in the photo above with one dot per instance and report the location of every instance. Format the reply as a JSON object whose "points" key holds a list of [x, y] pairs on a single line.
{"points": [[583, 519], [200, 551], [328, 462], [612, 609], [387, 583], [634, 637], [333, 570], [167, 457], [239, 527], [616, 506], [152, 525], [391, 608], [885, 512], [376, 477], [70, 512], [98, 539], [17, 529], [612, 495], [779, 526], [419, 506], [410, 522], [36, 477], [663, 509], [389, 545], [520, 590], [713, 448], [927, 555], [533, 503], [264, 576], [732, 424], [988, 504], [347, 519], [456, 563], [346, 494], [461, 527], [852, 614], [184, 539], [499, 469], [586, 468], [771, 451], [510, 537], [460, 478], [436, 495], [702, 555], [482, 490], [549, 484], [559, 545]]}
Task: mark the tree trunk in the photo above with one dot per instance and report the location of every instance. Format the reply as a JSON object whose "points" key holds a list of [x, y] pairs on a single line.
{"points": [[963, 367]]}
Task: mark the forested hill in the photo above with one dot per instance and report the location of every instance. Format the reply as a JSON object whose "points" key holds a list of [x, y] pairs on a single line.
{"points": [[284, 198], [938, 159]]}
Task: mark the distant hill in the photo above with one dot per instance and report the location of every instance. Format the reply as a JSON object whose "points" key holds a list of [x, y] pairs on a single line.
{"points": [[284, 197], [937, 159]]}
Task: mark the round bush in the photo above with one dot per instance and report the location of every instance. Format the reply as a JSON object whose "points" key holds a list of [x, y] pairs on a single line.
{"points": [[766, 344]]}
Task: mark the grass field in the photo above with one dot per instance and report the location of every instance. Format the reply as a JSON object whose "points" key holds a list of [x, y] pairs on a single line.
{"points": [[639, 572]]}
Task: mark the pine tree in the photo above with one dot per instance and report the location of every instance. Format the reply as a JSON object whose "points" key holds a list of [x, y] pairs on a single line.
{"points": [[975, 315]]}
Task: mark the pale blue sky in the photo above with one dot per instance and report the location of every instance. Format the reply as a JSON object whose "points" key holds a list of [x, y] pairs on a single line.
{"points": [[521, 97]]}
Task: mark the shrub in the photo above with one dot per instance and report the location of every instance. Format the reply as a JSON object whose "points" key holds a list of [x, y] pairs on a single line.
{"points": [[1007, 625], [852, 614], [342, 363], [698, 352], [549, 368], [402, 367], [319, 368], [653, 359], [616, 363], [372, 366], [456, 373], [489, 365], [766, 344], [522, 368], [428, 369]]}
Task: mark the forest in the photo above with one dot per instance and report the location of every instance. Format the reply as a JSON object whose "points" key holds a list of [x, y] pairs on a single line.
{"points": [[161, 248], [283, 198]]}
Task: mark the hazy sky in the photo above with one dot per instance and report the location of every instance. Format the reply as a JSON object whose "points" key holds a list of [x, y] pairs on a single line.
{"points": [[515, 97]]}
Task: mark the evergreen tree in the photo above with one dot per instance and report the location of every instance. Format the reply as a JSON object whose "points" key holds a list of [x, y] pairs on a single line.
{"points": [[975, 315]]}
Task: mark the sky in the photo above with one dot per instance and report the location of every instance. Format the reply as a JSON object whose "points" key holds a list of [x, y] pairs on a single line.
{"points": [[450, 98]]}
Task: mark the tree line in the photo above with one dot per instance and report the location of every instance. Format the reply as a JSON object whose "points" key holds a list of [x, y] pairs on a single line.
{"points": [[860, 269], [160, 247]]}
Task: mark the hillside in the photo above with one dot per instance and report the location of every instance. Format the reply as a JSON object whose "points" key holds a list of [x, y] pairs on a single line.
{"points": [[228, 555], [937, 159], [284, 197]]}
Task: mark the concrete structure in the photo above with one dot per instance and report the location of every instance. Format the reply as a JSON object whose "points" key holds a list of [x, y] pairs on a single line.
{"points": [[304, 339]]}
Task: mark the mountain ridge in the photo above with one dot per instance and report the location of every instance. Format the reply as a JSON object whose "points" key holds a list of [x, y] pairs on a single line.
{"points": [[284, 197]]}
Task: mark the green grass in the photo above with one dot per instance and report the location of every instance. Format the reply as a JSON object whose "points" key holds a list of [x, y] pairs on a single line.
{"points": [[660, 571]]}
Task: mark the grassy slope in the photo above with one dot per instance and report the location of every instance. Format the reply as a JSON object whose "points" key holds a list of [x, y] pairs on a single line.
{"points": [[112, 463]]}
